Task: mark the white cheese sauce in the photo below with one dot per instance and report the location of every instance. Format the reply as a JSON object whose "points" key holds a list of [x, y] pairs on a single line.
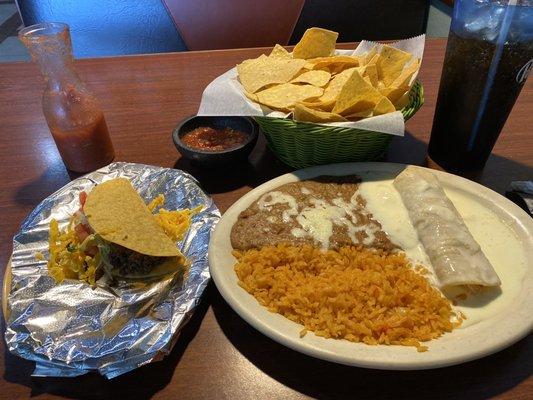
{"points": [[318, 219], [386, 206], [503, 249], [496, 238], [269, 199]]}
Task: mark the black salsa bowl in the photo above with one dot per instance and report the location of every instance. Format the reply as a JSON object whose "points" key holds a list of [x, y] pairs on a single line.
{"points": [[216, 158]]}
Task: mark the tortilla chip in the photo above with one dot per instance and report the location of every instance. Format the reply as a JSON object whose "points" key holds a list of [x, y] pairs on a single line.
{"points": [[334, 64], [284, 96], [262, 57], [306, 114], [369, 55], [336, 69], [337, 59], [393, 93], [374, 60], [315, 42], [404, 79], [315, 78], [391, 63], [356, 95], [280, 52], [402, 101], [117, 213], [384, 106], [361, 114], [256, 74], [332, 90], [371, 72], [309, 66], [318, 105], [251, 96]]}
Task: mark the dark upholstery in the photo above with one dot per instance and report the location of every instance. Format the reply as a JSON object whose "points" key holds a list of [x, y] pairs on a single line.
{"points": [[364, 19], [109, 27]]}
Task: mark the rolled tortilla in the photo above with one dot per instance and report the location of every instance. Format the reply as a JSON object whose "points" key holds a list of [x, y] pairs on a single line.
{"points": [[456, 257]]}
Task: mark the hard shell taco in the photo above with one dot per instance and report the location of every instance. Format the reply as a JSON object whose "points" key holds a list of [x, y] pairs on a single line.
{"points": [[115, 232], [132, 243]]}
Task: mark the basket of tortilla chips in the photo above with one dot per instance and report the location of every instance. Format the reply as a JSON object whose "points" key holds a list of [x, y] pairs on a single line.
{"points": [[321, 91]]}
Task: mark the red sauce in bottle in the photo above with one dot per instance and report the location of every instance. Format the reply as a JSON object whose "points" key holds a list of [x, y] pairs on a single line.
{"points": [[79, 129], [85, 148], [72, 112]]}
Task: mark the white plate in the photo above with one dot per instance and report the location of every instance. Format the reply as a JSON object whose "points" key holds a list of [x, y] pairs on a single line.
{"points": [[500, 328]]}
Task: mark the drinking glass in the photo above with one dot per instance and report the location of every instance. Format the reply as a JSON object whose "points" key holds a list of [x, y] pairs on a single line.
{"points": [[488, 58]]}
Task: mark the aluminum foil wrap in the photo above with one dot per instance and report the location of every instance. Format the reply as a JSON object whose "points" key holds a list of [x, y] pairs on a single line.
{"points": [[69, 329]]}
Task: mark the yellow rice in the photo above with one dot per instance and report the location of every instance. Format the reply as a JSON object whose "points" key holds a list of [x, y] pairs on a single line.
{"points": [[355, 294]]}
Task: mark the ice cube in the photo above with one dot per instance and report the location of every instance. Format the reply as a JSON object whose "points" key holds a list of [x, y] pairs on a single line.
{"points": [[483, 19]]}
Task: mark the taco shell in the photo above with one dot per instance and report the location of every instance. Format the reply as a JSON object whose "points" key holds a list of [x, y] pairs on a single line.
{"points": [[117, 213]]}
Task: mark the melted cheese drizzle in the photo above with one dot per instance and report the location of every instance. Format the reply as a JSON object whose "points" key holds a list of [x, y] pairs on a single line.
{"points": [[279, 198], [318, 219]]}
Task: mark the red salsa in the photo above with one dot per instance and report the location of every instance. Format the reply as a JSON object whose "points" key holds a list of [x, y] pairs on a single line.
{"points": [[209, 139]]}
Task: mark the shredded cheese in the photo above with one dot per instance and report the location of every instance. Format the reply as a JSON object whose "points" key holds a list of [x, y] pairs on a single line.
{"points": [[157, 202], [68, 259], [174, 223]]}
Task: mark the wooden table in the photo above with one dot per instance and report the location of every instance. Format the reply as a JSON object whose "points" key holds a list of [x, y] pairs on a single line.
{"points": [[218, 355]]}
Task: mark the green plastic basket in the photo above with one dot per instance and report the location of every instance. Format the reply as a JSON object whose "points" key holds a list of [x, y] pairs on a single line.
{"points": [[304, 144]]}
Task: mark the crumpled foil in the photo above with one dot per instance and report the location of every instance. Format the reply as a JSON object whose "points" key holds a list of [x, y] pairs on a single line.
{"points": [[71, 328]]}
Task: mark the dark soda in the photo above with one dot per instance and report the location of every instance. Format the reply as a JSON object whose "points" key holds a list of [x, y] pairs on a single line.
{"points": [[480, 83]]}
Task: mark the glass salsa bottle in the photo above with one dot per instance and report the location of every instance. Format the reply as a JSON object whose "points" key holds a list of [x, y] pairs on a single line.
{"points": [[72, 112]]}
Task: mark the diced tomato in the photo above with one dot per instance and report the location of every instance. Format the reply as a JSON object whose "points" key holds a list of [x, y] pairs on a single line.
{"points": [[91, 251], [83, 198], [82, 231]]}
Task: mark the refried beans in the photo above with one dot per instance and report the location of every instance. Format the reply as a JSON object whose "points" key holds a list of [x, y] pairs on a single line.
{"points": [[326, 211]]}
